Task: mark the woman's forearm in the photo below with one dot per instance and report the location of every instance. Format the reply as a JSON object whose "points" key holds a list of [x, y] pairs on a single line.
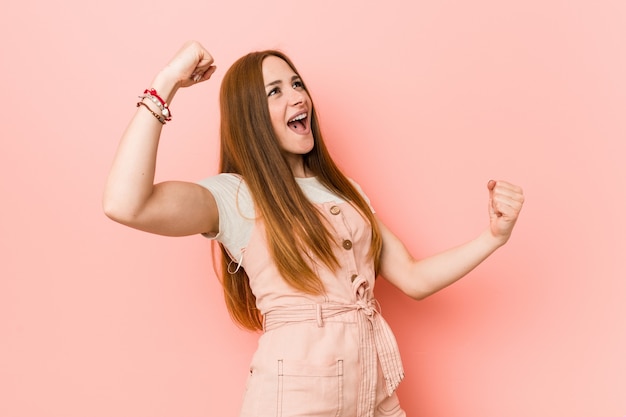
{"points": [[439, 271], [131, 178]]}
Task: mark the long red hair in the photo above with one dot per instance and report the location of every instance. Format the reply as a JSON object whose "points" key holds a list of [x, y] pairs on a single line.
{"points": [[294, 227]]}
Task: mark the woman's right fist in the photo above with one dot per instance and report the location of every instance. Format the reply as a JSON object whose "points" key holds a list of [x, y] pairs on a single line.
{"points": [[191, 64]]}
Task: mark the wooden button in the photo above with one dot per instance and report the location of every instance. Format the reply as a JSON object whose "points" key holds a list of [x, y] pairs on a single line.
{"points": [[353, 277], [347, 244], [334, 210]]}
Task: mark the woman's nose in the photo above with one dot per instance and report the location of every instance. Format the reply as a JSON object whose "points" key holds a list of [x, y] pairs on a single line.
{"points": [[296, 97]]}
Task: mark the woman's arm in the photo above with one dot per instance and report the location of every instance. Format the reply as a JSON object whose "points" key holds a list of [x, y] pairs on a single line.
{"points": [[130, 196], [421, 278]]}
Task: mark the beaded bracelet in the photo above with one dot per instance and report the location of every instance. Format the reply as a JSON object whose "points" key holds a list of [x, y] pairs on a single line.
{"points": [[159, 118], [161, 104]]}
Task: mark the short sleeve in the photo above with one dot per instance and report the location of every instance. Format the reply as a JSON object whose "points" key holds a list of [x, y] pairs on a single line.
{"points": [[236, 211]]}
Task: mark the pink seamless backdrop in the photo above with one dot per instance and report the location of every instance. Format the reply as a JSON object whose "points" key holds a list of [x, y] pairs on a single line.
{"points": [[421, 102]]}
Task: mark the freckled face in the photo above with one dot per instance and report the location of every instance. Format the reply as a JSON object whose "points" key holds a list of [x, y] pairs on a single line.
{"points": [[290, 109]]}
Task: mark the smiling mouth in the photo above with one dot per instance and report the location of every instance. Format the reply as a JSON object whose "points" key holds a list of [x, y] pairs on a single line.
{"points": [[298, 124]]}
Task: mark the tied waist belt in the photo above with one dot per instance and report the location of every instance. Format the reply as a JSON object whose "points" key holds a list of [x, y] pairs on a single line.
{"points": [[376, 340]]}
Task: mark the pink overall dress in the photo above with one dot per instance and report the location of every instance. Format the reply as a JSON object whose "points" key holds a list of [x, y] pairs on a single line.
{"points": [[329, 355]]}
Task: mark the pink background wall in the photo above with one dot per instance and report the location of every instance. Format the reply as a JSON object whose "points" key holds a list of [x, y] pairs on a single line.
{"points": [[422, 102]]}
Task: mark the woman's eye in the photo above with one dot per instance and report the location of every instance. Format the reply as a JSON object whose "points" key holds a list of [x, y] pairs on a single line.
{"points": [[273, 91], [298, 84]]}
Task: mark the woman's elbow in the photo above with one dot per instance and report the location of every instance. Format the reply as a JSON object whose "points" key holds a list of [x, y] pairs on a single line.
{"points": [[113, 213], [417, 289], [117, 211], [413, 289]]}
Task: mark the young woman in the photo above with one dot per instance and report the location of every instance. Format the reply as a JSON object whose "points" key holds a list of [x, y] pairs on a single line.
{"points": [[301, 247]]}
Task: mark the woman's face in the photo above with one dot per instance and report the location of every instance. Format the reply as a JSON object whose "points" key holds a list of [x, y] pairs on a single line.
{"points": [[290, 111]]}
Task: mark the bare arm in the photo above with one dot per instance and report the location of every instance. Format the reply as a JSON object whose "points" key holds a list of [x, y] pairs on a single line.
{"points": [[421, 278], [130, 197]]}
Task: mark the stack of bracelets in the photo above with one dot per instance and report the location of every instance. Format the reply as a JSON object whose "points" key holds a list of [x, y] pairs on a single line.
{"points": [[151, 94]]}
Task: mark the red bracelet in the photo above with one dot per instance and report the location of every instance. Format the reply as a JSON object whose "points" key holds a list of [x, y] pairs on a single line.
{"points": [[165, 110]]}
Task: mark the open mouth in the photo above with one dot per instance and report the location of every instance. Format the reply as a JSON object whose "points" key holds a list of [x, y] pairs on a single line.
{"points": [[299, 123]]}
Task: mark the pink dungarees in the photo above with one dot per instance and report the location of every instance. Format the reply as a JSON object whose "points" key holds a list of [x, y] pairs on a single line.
{"points": [[328, 355]]}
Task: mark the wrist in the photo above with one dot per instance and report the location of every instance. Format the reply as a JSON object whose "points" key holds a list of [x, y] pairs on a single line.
{"points": [[166, 84], [491, 241]]}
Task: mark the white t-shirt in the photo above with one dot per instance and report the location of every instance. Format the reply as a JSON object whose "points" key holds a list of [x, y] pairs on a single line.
{"points": [[236, 208]]}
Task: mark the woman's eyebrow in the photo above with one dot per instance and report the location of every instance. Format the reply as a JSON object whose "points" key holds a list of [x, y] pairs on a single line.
{"points": [[273, 83], [277, 82]]}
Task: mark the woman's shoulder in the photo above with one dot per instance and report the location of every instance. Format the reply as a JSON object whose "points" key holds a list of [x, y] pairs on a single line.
{"points": [[224, 180], [230, 191]]}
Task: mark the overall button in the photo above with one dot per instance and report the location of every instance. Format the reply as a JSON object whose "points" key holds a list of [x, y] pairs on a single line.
{"points": [[353, 277], [335, 210], [347, 244]]}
